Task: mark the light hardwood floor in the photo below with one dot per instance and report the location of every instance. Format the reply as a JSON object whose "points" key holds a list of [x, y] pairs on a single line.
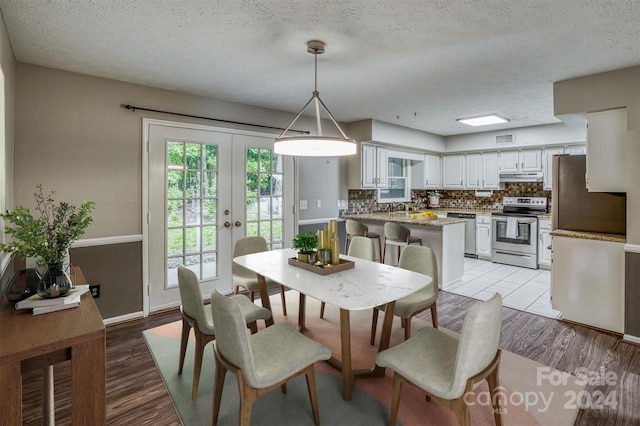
{"points": [[136, 394]]}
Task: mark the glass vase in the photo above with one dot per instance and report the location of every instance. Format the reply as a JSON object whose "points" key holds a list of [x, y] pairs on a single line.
{"points": [[54, 282]]}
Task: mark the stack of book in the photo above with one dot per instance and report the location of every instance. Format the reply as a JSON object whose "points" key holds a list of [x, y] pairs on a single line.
{"points": [[41, 305]]}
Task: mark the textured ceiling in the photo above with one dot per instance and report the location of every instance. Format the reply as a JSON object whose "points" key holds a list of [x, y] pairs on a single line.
{"points": [[420, 64]]}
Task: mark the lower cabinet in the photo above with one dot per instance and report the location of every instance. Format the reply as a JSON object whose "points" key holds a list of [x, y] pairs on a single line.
{"points": [[483, 237], [587, 282], [544, 243]]}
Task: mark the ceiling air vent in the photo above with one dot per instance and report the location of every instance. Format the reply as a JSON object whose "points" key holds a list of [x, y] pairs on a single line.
{"points": [[505, 139]]}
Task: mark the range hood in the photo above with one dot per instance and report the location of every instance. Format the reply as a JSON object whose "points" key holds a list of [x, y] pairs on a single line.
{"points": [[521, 177]]}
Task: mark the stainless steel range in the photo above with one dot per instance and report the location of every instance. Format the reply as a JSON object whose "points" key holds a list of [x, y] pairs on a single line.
{"points": [[515, 231]]}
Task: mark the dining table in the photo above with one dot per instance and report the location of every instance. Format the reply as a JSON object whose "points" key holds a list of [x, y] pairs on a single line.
{"points": [[367, 285]]}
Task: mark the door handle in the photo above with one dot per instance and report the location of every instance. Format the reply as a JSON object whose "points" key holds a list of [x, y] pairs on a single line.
{"points": [[226, 212], [238, 224], [227, 224]]}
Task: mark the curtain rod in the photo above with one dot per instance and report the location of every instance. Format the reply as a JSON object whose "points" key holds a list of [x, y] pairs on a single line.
{"points": [[134, 108]]}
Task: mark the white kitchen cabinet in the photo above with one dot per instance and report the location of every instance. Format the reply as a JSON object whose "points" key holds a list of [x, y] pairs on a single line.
{"points": [[576, 150], [474, 171], [373, 166], [587, 282], [453, 171], [483, 237], [432, 171], [548, 166], [527, 160], [544, 243], [490, 179], [606, 133]]}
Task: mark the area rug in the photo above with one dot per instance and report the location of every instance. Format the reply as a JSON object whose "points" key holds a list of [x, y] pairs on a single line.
{"points": [[532, 394]]}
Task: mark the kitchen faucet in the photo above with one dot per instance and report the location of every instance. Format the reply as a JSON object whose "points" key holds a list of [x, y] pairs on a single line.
{"points": [[392, 206]]}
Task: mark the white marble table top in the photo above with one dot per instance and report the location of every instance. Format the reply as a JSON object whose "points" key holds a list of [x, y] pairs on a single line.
{"points": [[367, 285]]}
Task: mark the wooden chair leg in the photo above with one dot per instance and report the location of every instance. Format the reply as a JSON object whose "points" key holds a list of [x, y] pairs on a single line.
{"points": [[322, 309], [236, 289], [201, 341], [313, 393], [184, 339], [461, 410], [374, 326], [248, 396], [284, 301], [384, 251], [395, 399], [253, 327], [434, 316], [221, 371], [407, 328], [251, 296], [494, 383]]}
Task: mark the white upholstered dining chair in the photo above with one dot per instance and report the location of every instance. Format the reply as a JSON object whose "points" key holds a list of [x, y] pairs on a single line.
{"points": [[420, 259], [242, 277], [195, 315], [447, 368], [362, 248], [263, 361]]}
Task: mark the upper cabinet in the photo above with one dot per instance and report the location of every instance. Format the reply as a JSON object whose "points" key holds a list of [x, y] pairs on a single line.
{"points": [[373, 166], [431, 171], [548, 166], [606, 132], [453, 171], [527, 160], [490, 179], [474, 171]]}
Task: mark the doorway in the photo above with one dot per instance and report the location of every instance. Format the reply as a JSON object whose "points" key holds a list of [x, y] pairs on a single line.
{"points": [[205, 188]]}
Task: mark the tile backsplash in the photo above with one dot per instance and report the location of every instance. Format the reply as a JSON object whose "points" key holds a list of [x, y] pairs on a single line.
{"points": [[365, 200]]}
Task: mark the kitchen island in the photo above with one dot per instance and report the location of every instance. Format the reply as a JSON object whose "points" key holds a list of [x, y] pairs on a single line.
{"points": [[445, 236]]}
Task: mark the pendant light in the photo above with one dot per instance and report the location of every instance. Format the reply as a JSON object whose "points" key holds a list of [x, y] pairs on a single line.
{"points": [[315, 146]]}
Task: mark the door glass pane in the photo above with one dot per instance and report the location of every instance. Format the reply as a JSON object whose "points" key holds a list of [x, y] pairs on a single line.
{"points": [[191, 209], [264, 202]]}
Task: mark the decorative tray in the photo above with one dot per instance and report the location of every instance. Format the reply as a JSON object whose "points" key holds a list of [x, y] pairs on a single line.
{"points": [[323, 269]]}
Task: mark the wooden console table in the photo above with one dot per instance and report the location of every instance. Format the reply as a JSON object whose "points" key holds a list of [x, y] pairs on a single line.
{"points": [[28, 342]]}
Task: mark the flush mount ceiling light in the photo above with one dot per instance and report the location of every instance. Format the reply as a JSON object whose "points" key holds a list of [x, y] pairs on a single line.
{"points": [[483, 120], [315, 146]]}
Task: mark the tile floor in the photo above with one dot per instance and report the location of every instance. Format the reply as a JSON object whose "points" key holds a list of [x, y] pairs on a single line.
{"points": [[524, 289]]}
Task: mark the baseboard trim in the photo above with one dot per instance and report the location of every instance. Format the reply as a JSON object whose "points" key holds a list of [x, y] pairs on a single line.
{"points": [[123, 318], [631, 339], [105, 241], [164, 307], [633, 248]]}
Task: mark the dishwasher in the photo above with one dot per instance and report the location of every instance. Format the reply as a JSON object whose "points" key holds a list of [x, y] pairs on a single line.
{"points": [[469, 233]]}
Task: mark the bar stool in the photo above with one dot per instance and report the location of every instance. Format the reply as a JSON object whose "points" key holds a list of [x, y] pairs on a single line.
{"points": [[357, 229], [399, 236]]}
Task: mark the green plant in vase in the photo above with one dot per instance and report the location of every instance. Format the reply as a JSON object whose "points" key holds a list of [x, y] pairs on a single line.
{"points": [[47, 237], [305, 244]]}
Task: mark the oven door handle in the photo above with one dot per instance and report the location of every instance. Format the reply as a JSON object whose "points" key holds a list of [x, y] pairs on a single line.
{"points": [[523, 220], [514, 254]]}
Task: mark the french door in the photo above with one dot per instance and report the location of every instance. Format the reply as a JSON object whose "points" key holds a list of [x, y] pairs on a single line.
{"points": [[206, 188]]}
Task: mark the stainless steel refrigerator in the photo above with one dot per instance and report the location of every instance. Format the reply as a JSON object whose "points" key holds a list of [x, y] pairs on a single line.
{"points": [[574, 208]]}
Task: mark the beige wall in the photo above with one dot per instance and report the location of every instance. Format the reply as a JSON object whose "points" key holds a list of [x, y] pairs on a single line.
{"points": [[614, 89], [72, 136], [7, 68]]}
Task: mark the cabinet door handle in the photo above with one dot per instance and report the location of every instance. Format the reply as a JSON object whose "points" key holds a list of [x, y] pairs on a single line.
{"points": [[477, 182], [522, 165], [460, 182]]}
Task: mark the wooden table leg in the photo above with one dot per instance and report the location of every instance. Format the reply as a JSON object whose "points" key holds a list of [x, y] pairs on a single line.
{"points": [[264, 297], [11, 393], [302, 315], [88, 375], [385, 338], [48, 400], [345, 339]]}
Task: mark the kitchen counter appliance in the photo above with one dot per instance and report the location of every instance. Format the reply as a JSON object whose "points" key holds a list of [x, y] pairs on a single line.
{"points": [[469, 233], [515, 231]]}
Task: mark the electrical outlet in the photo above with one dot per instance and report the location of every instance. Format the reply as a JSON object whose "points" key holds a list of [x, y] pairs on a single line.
{"points": [[95, 290], [318, 204], [303, 204]]}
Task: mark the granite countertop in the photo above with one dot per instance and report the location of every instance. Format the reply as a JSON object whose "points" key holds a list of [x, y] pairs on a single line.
{"points": [[402, 217], [589, 236]]}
